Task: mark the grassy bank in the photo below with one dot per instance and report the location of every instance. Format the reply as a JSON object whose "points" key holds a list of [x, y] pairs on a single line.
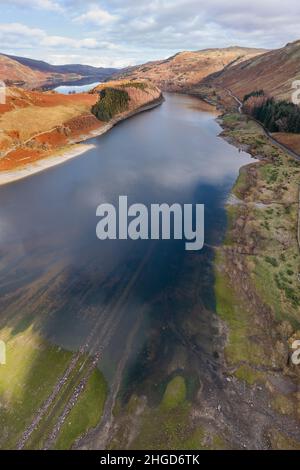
{"points": [[86, 414], [32, 370], [257, 268]]}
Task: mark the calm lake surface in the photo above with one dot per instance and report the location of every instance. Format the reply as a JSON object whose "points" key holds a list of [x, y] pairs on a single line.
{"points": [[66, 89], [150, 302]]}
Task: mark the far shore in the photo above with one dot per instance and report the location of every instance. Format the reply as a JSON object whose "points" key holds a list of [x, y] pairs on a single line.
{"points": [[75, 149]]}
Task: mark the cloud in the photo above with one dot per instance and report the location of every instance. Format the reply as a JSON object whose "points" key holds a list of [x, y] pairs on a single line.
{"points": [[18, 39], [12, 32], [49, 5], [62, 41], [139, 30], [96, 16], [163, 27], [19, 30], [100, 60]]}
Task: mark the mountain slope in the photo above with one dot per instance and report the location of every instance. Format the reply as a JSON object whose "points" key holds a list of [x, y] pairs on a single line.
{"points": [[35, 124], [33, 73], [185, 69], [78, 69], [12, 71], [274, 72]]}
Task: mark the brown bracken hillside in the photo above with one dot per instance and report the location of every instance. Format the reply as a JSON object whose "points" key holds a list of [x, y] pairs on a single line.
{"points": [[274, 72], [14, 73], [188, 68], [35, 124]]}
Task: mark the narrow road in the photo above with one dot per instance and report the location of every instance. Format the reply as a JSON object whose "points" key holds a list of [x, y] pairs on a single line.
{"points": [[290, 152], [266, 132]]}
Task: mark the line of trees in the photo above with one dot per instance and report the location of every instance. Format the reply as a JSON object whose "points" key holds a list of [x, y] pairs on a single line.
{"points": [[276, 116], [253, 93]]}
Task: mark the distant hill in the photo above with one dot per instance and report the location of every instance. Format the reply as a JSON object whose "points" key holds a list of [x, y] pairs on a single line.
{"points": [[34, 73], [12, 71], [78, 69], [179, 72], [274, 72]]}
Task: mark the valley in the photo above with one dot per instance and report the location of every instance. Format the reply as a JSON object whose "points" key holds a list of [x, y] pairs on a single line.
{"points": [[124, 344]]}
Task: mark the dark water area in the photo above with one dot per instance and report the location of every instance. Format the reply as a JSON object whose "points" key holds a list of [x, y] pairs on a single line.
{"points": [[148, 301]]}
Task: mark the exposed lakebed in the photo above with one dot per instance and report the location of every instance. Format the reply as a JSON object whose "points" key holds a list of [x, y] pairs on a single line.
{"points": [[151, 302]]}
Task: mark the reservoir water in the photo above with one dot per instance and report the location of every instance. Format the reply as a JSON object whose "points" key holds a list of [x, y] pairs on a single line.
{"points": [[83, 88], [151, 302]]}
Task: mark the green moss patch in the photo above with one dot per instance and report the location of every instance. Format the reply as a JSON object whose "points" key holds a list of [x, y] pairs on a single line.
{"points": [[248, 375], [175, 393], [32, 369]]}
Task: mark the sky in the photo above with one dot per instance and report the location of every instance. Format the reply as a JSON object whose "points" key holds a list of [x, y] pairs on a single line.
{"points": [[119, 33]]}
